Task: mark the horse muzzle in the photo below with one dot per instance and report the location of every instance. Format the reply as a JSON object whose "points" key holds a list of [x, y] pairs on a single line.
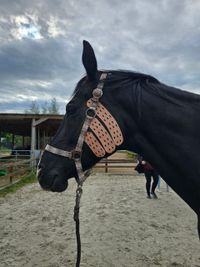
{"points": [[51, 181]]}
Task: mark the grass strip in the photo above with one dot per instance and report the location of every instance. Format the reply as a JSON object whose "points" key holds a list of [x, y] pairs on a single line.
{"points": [[27, 179]]}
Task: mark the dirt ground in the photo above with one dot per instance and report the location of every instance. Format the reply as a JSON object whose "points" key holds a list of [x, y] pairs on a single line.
{"points": [[120, 227]]}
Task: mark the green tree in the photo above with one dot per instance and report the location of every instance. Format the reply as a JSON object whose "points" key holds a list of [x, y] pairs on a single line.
{"points": [[46, 108], [53, 106], [34, 108]]}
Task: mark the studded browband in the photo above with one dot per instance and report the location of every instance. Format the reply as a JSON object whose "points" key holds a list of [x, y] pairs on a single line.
{"points": [[100, 131]]}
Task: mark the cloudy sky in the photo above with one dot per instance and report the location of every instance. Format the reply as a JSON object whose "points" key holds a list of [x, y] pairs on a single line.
{"points": [[41, 44]]}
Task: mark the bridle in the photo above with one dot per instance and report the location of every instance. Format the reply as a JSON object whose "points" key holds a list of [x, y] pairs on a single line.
{"points": [[76, 154]]}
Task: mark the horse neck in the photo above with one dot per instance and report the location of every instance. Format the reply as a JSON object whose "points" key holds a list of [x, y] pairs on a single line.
{"points": [[167, 138], [128, 113]]}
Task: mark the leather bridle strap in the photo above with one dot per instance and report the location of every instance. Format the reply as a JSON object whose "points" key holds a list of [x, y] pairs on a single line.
{"points": [[57, 151]]}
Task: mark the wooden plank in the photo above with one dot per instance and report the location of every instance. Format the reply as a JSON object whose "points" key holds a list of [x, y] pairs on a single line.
{"points": [[110, 164], [15, 171]]}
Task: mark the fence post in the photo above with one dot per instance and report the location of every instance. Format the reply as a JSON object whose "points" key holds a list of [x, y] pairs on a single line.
{"points": [[106, 165], [11, 176]]}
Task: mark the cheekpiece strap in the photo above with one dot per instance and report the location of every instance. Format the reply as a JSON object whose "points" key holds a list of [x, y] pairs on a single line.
{"points": [[97, 93]]}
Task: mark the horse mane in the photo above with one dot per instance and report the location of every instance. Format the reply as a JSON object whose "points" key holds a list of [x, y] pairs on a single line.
{"points": [[119, 77], [132, 75], [151, 83]]}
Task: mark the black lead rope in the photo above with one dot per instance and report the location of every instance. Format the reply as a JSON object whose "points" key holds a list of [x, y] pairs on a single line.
{"points": [[76, 219]]}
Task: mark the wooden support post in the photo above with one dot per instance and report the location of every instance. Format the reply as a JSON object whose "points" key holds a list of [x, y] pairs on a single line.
{"points": [[34, 124], [33, 142]]}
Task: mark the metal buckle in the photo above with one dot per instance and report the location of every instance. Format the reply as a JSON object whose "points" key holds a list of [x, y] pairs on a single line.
{"points": [[91, 112], [76, 155]]}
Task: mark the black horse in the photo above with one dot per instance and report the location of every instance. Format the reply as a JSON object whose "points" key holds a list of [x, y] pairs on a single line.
{"points": [[157, 121]]}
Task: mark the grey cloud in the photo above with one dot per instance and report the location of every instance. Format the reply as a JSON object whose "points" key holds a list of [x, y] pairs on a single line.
{"points": [[38, 59], [159, 37]]}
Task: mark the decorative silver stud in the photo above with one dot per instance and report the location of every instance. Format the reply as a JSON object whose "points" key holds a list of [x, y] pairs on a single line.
{"points": [[97, 93]]}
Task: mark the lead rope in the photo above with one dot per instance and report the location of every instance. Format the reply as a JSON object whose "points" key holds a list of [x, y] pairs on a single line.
{"points": [[79, 192]]}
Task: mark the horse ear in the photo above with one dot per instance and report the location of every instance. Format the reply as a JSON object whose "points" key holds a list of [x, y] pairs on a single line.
{"points": [[89, 60]]}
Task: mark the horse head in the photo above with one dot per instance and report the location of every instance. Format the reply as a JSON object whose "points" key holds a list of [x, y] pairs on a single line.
{"points": [[93, 127]]}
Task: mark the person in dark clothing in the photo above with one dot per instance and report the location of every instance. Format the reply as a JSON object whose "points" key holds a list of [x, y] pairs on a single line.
{"points": [[149, 172]]}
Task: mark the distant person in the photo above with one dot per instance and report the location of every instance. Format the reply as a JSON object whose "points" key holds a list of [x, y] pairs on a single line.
{"points": [[149, 172], [159, 185], [159, 182]]}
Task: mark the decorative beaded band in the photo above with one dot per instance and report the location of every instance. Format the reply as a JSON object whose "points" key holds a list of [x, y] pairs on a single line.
{"points": [[107, 132]]}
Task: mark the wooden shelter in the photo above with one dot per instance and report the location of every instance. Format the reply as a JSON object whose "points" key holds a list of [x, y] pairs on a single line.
{"points": [[39, 127]]}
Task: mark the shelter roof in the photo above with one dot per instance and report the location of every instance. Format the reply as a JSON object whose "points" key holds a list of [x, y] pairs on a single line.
{"points": [[20, 124]]}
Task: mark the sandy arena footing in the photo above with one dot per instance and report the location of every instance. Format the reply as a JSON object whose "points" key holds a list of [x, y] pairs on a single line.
{"points": [[120, 227]]}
